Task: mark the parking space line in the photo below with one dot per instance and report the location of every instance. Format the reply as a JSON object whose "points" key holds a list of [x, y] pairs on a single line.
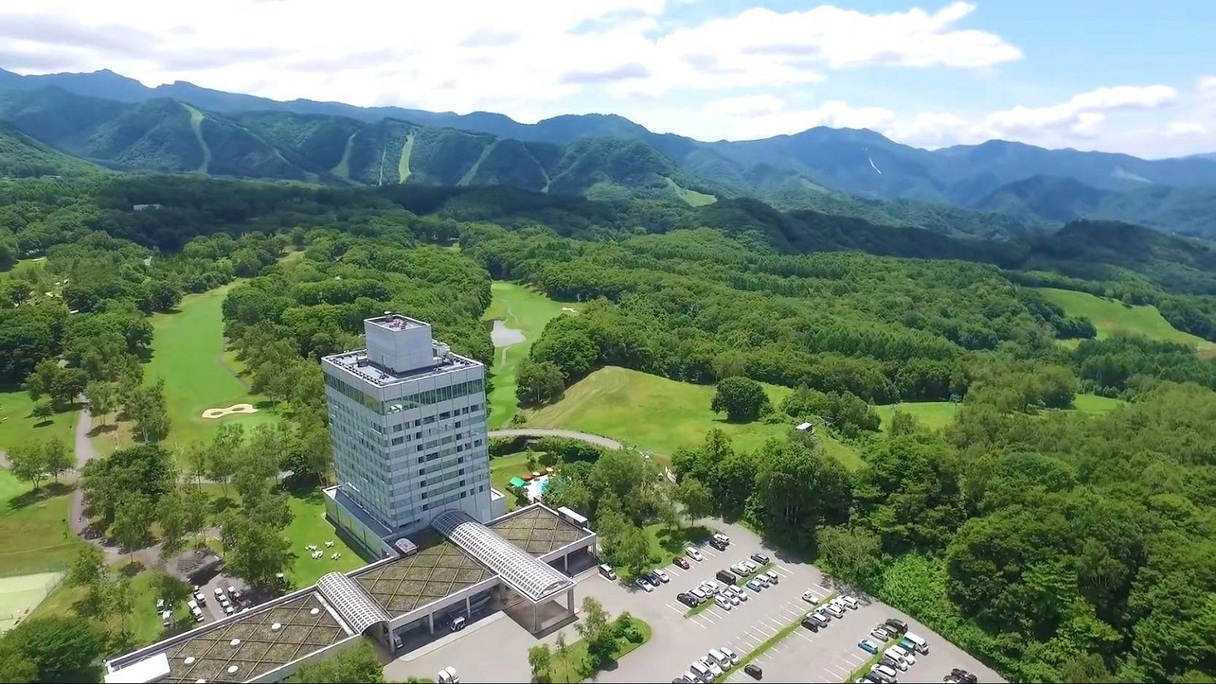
{"points": [[681, 612]]}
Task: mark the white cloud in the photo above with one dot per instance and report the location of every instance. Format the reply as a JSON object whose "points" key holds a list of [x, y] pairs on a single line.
{"points": [[477, 54], [1184, 128], [1205, 88], [1082, 114]]}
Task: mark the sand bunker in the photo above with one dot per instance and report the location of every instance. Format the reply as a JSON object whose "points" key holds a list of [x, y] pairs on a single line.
{"points": [[213, 413], [569, 309]]}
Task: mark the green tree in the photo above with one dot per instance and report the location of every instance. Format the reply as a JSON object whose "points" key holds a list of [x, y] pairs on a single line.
{"points": [[14, 665], [596, 630], [57, 457], [133, 519], [695, 499], [355, 664], [61, 649], [538, 383], [562, 650], [540, 659], [173, 514], [27, 461], [632, 551], [852, 554], [123, 600], [256, 551], [103, 399], [742, 399], [42, 410], [148, 410], [88, 568], [68, 384], [41, 382]]}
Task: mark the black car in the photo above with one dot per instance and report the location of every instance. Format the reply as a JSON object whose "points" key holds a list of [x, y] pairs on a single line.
{"points": [[653, 578], [760, 558], [726, 576], [754, 670], [810, 624], [963, 676], [889, 662], [717, 544], [687, 599], [898, 626]]}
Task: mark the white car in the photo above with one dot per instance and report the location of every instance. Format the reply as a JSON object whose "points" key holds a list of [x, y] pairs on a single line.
{"points": [[694, 554], [730, 596], [902, 653], [722, 538], [734, 657], [713, 667], [809, 596], [754, 585], [201, 598], [740, 593], [834, 609], [880, 634], [890, 674], [850, 602], [715, 585], [644, 585], [219, 592], [749, 565], [739, 569], [771, 576], [722, 602], [700, 593], [662, 576]]}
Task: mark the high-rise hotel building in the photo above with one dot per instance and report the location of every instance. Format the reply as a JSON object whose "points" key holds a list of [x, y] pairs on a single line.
{"points": [[408, 420]]}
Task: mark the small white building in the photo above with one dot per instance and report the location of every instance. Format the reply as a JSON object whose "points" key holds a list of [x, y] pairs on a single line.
{"points": [[805, 427]]}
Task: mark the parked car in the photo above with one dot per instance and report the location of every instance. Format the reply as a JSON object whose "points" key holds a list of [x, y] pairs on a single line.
{"points": [[730, 596], [810, 623], [722, 602], [760, 558], [754, 585], [885, 671], [739, 570], [663, 577], [607, 571], [754, 671], [898, 626], [851, 602], [771, 576], [817, 618], [725, 577], [448, 676], [880, 634], [739, 592], [713, 586], [699, 593], [201, 598], [687, 599], [717, 544], [681, 561], [694, 554], [166, 618], [834, 610], [643, 585], [892, 663], [749, 566], [713, 666], [734, 657], [822, 616], [721, 538], [219, 591], [963, 676], [903, 654], [652, 577], [868, 645]]}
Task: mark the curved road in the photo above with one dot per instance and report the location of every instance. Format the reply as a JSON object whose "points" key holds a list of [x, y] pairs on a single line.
{"points": [[565, 434]]}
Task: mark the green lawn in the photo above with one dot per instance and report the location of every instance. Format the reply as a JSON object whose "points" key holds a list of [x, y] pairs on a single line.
{"points": [[1111, 317], [34, 536], [571, 667], [17, 425], [526, 310], [309, 526], [187, 351], [931, 414], [660, 415], [666, 545], [1092, 403]]}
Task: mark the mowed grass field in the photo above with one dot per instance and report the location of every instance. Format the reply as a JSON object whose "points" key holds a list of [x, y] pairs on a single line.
{"points": [[188, 351], [17, 425], [939, 414], [527, 311], [1111, 317], [660, 415], [34, 536]]}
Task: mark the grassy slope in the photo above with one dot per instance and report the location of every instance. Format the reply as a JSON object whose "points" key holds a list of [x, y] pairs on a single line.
{"points": [[524, 310], [658, 414], [33, 533], [403, 165], [196, 124], [692, 197], [342, 170], [186, 351], [1111, 317]]}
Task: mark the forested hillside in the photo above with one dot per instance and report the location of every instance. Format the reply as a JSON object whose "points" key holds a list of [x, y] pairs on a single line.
{"points": [[1055, 545]]}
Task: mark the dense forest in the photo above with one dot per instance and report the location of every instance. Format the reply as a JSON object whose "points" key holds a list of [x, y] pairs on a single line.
{"points": [[1057, 546]]}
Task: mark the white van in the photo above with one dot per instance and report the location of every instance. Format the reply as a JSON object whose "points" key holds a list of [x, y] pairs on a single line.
{"points": [[448, 676], [849, 601], [701, 671], [922, 646], [888, 672], [607, 571], [720, 657]]}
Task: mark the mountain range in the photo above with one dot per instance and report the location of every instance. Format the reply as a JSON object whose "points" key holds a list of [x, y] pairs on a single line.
{"points": [[65, 122]]}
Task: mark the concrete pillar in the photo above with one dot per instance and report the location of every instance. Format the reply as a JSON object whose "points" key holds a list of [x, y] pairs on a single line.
{"points": [[566, 564], [468, 608], [430, 622], [570, 600]]}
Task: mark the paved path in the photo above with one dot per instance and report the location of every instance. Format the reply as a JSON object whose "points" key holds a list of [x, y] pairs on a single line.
{"points": [[564, 434]]}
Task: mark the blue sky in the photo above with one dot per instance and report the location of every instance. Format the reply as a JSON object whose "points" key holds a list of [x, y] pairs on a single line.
{"points": [[1129, 76]]}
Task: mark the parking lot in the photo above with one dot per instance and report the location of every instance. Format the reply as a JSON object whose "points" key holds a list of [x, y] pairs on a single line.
{"points": [[827, 656]]}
